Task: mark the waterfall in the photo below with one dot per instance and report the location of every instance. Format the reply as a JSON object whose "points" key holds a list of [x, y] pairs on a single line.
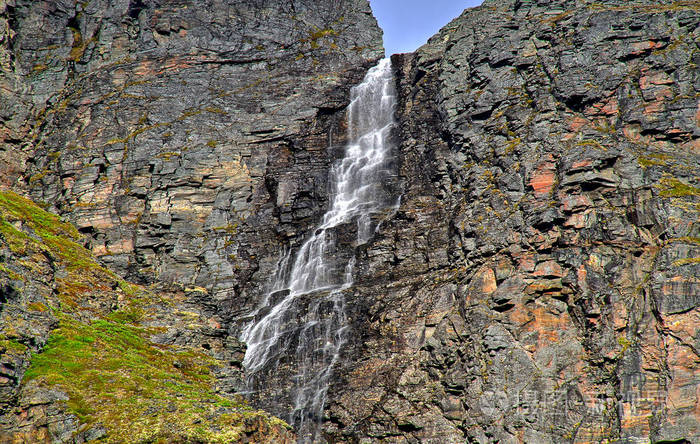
{"points": [[303, 316]]}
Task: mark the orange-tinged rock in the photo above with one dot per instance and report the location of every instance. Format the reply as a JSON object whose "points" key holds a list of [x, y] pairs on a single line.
{"points": [[575, 202], [544, 285], [632, 132], [620, 315], [121, 246], [581, 275], [663, 93], [543, 179], [485, 281], [639, 48], [145, 68], [577, 123], [608, 108], [99, 250], [174, 64], [653, 108], [693, 146], [658, 78], [526, 262], [611, 107], [550, 327], [581, 165], [577, 220]]}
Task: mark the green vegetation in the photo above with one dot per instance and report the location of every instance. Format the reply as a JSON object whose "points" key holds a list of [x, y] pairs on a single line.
{"points": [[215, 110], [11, 346], [653, 160], [29, 230], [114, 376], [669, 187], [686, 261]]}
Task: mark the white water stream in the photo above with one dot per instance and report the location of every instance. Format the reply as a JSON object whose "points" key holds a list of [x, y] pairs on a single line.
{"points": [[304, 313]]}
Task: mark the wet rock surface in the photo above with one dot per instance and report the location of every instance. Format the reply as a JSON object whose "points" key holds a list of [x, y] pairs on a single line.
{"points": [[539, 282]]}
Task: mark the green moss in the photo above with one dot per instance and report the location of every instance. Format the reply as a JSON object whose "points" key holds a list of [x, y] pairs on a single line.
{"points": [[212, 143], [11, 346], [11, 274], [512, 144], [669, 187], [318, 34], [39, 68], [686, 261], [20, 208], [686, 240], [16, 240], [591, 143], [115, 377], [45, 234], [113, 374], [189, 113], [215, 110], [37, 306], [624, 342]]}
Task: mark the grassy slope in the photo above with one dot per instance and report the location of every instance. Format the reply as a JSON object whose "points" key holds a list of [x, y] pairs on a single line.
{"points": [[114, 376]]}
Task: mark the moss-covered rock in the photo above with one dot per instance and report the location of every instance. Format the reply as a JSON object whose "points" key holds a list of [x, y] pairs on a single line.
{"points": [[84, 361]]}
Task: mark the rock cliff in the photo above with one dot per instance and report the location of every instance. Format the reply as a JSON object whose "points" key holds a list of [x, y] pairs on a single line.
{"points": [[538, 282], [188, 144]]}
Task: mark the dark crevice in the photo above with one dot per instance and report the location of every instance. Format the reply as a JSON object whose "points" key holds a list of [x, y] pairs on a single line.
{"points": [[7, 293], [503, 308], [135, 8], [482, 115]]}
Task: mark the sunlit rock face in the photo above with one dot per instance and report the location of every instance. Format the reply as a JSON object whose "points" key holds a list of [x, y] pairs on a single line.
{"points": [[188, 141], [188, 138], [539, 282]]}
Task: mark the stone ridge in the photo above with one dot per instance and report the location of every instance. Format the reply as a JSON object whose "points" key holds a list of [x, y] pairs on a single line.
{"points": [[539, 282]]}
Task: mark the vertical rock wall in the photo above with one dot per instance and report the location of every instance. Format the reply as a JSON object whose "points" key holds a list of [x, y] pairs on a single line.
{"points": [[188, 142], [540, 280]]}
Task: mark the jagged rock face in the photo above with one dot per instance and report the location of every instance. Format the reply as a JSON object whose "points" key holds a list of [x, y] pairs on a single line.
{"points": [[188, 139], [83, 355], [540, 281]]}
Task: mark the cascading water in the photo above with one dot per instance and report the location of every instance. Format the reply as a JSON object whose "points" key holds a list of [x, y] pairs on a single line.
{"points": [[303, 316]]}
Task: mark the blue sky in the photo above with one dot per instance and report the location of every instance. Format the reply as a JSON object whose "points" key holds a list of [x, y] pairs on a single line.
{"points": [[408, 24]]}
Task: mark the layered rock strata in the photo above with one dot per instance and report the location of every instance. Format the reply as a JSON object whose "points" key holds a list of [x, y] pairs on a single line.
{"points": [[538, 283], [188, 143], [540, 280]]}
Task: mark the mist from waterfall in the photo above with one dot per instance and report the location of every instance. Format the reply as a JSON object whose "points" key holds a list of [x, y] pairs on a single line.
{"points": [[303, 316]]}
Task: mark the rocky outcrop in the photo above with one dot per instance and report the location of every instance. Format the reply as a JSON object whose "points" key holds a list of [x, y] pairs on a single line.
{"points": [[540, 281], [82, 356], [187, 142]]}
